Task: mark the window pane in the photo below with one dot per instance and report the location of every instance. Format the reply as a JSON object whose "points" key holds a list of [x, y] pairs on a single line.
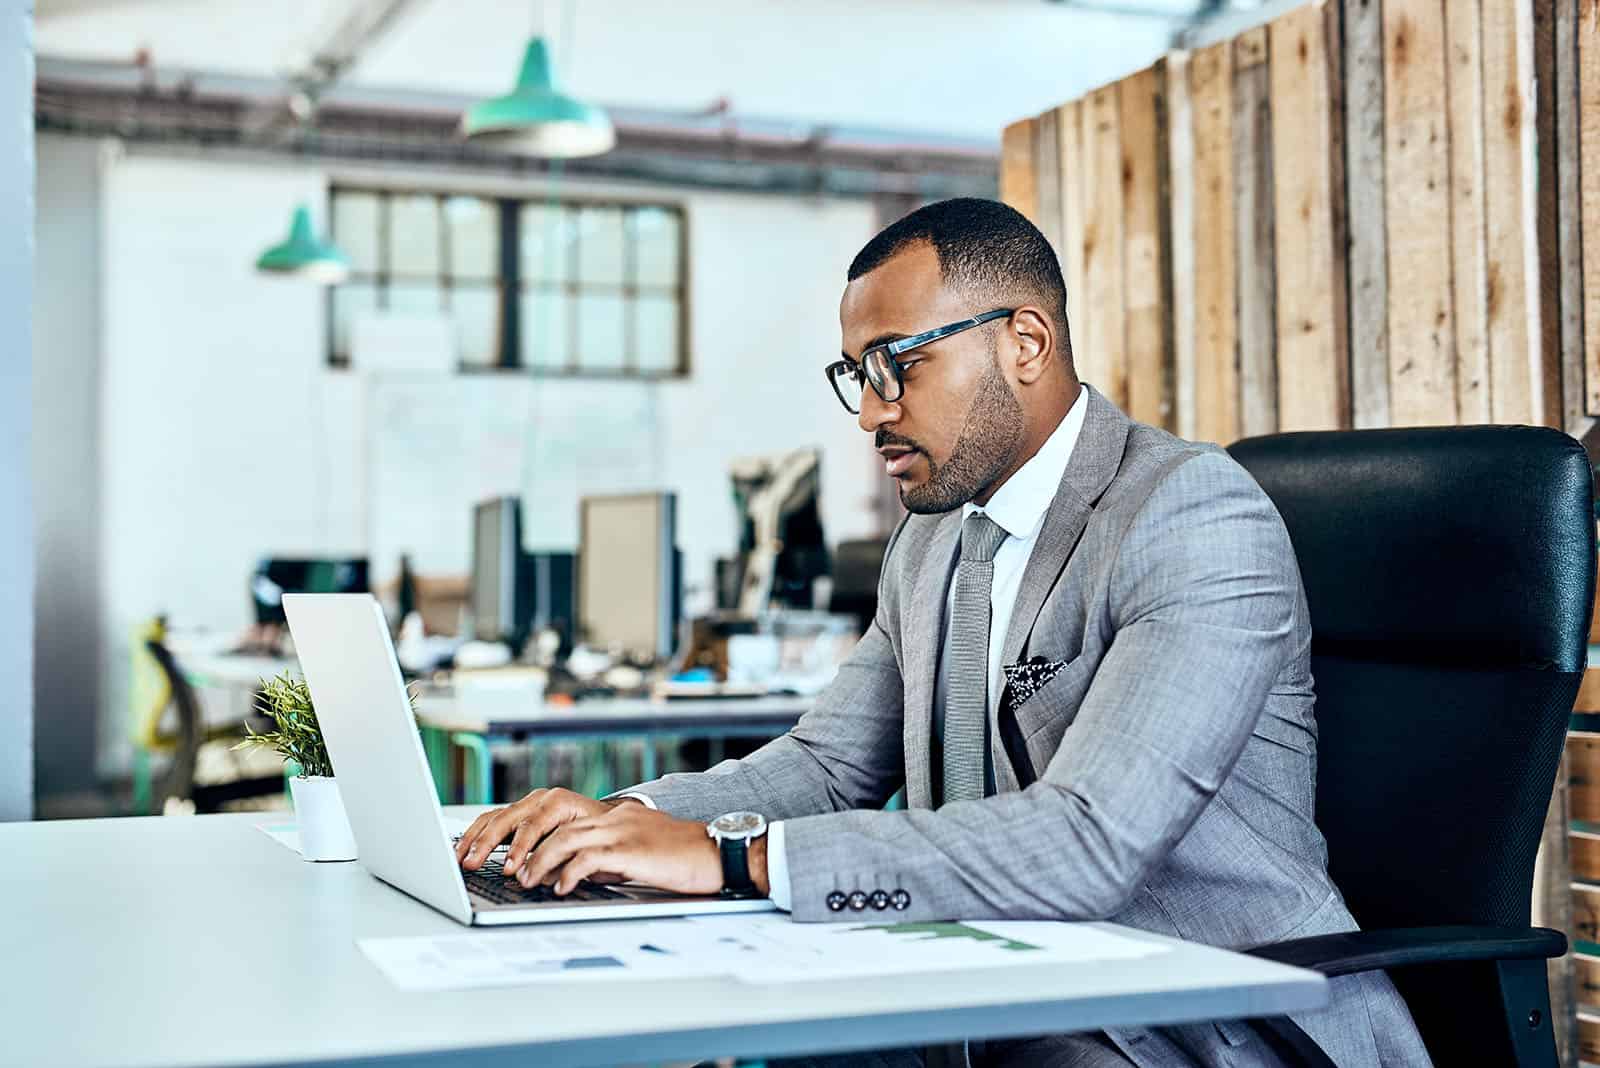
{"points": [[351, 301], [546, 328], [656, 339], [355, 229], [476, 311], [474, 237], [411, 298], [414, 236], [600, 246], [547, 232], [657, 237], [600, 331]]}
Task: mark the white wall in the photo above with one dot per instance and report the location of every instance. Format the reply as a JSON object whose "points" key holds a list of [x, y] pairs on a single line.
{"points": [[224, 437], [16, 359], [66, 465]]}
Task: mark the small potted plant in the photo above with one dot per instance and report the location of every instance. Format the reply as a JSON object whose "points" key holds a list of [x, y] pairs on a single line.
{"points": [[318, 808]]}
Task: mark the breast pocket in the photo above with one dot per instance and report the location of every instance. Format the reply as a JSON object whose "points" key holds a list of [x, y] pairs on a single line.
{"points": [[1032, 729]]}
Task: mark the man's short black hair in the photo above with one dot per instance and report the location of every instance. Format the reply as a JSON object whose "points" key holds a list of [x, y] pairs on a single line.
{"points": [[985, 247]]}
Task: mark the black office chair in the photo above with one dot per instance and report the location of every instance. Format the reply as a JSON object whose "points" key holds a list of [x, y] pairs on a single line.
{"points": [[856, 565], [1450, 574], [191, 734]]}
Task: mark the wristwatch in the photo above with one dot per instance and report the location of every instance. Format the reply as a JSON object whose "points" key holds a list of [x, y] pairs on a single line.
{"points": [[733, 834]]}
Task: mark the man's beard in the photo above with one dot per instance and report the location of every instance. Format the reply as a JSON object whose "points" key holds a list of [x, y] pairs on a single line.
{"points": [[987, 445]]}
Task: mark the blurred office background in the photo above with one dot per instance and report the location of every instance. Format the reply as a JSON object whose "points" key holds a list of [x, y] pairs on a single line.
{"points": [[637, 321]]}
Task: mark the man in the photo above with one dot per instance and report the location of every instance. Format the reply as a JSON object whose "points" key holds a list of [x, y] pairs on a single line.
{"points": [[1089, 669]]}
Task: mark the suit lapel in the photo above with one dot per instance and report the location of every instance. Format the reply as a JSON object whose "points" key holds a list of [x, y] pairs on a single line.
{"points": [[1095, 460], [923, 638]]}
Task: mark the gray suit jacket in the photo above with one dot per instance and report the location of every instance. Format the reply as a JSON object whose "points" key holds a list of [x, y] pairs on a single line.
{"points": [[1172, 759]]}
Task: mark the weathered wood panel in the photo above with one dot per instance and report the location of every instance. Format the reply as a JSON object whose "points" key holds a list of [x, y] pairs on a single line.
{"points": [[1069, 137], [1588, 156], [1146, 279], [1308, 194], [1216, 340], [1180, 129], [1422, 369], [1105, 363], [1047, 177], [1019, 180], [1369, 276], [1580, 389], [1509, 218], [1467, 226], [1256, 289]]}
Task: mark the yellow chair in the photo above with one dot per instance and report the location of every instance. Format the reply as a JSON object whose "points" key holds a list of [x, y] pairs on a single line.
{"points": [[158, 683]]}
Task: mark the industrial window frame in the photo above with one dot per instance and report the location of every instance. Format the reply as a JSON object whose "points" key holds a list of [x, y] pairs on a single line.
{"points": [[511, 286]]}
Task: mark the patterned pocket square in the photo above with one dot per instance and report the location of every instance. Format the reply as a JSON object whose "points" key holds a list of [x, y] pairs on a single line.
{"points": [[1025, 679]]}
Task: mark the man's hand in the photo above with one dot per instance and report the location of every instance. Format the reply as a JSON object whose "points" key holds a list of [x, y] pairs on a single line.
{"points": [[529, 820], [628, 843]]}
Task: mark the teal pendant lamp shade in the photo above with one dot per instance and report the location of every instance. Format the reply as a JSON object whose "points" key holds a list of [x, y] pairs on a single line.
{"points": [[534, 119], [303, 256]]}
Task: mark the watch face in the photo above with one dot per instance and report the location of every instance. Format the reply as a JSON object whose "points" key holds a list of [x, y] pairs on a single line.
{"points": [[738, 824]]}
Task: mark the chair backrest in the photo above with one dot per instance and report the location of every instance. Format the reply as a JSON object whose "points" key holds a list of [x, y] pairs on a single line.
{"points": [[180, 777], [1450, 575], [855, 578]]}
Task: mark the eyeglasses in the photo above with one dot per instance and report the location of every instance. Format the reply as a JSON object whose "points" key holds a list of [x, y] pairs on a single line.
{"points": [[881, 365]]}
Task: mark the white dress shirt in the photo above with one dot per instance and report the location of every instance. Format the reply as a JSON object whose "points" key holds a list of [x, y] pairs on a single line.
{"points": [[1018, 507]]}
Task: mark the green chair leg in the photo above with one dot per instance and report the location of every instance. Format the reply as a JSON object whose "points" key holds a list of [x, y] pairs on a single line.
{"points": [[436, 746], [897, 802], [596, 778], [141, 802], [479, 787], [538, 765]]}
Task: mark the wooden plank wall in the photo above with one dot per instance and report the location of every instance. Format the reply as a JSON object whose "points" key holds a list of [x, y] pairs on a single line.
{"points": [[1337, 219], [1365, 213]]}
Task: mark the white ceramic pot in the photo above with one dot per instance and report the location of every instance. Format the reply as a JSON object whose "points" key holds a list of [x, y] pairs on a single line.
{"points": [[319, 816]]}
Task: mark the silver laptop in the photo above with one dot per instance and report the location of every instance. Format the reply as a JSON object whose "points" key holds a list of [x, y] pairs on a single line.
{"points": [[343, 643]]}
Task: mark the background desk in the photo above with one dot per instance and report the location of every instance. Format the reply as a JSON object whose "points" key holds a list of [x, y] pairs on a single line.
{"points": [[197, 940], [476, 716]]}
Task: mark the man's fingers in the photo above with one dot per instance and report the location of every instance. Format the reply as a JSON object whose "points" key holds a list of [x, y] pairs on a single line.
{"points": [[558, 848], [470, 835], [529, 834], [501, 823], [585, 863]]}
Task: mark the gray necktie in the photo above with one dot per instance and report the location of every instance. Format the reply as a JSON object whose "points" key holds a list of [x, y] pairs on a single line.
{"points": [[966, 699]]}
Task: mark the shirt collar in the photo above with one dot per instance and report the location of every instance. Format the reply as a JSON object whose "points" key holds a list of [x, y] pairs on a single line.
{"points": [[1019, 505]]}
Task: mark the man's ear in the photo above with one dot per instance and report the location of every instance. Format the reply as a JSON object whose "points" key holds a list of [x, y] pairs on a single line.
{"points": [[1035, 344]]}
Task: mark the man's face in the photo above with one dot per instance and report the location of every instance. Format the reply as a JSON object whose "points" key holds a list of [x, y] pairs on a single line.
{"points": [[958, 425]]}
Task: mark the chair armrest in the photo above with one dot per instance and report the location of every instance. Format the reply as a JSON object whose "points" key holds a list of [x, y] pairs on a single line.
{"points": [[1349, 952]]}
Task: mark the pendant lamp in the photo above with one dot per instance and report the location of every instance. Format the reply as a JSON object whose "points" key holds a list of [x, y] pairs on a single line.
{"points": [[536, 119], [303, 256]]}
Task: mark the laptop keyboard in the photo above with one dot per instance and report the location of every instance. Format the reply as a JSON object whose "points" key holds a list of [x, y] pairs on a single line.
{"points": [[490, 882]]}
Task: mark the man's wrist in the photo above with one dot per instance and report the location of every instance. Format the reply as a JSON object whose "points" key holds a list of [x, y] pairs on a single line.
{"points": [[758, 866]]}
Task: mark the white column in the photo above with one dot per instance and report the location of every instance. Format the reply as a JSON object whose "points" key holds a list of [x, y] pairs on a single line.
{"points": [[16, 393]]}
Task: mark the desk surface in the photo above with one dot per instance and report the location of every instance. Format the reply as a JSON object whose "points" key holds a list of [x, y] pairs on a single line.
{"points": [[197, 940], [491, 708]]}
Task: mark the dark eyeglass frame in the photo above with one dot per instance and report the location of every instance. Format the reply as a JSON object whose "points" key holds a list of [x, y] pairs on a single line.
{"points": [[886, 355]]}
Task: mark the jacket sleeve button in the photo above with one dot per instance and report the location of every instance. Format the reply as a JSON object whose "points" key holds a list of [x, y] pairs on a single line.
{"points": [[858, 900], [836, 901], [900, 900], [880, 899]]}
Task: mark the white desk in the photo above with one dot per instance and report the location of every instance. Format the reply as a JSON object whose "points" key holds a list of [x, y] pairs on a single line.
{"points": [[501, 713], [196, 940]]}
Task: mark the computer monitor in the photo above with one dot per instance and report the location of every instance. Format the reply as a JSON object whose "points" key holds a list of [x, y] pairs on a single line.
{"points": [[493, 597], [277, 575], [628, 574]]}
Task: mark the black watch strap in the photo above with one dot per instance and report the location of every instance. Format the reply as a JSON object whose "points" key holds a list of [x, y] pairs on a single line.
{"points": [[736, 880]]}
